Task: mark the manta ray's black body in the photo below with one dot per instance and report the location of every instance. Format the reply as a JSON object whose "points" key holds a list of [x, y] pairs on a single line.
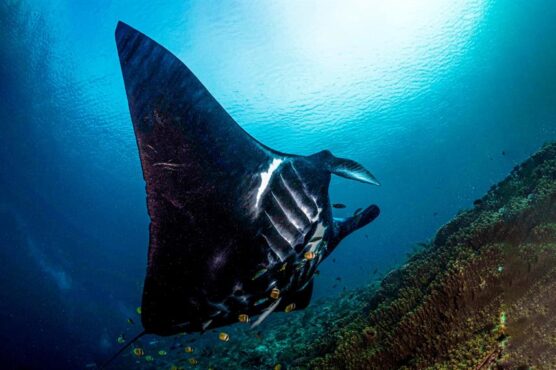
{"points": [[236, 227]]}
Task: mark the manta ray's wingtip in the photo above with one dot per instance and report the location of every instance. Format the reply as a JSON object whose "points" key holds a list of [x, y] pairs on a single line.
{"points": [[123, 33], [122, 27]]}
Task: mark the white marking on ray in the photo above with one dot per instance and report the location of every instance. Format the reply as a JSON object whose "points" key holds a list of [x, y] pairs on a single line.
{"points": [[267, 312], [297, 200], [305, 284], [289, 215], [281, 231], [265, 179], [276, 251], [317, 206], [220, 306], [310, 196], [206, 324], [216, 314]]}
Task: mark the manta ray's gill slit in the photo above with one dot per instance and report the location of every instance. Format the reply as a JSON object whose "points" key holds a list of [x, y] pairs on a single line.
{"points": [[265, 179], [281, 220], [289, 215], [303, 186], [281, 230], [317, 210], [298, 201]]}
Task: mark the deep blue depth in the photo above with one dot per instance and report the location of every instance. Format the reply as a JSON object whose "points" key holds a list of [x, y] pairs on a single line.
{"points": [[439, 100]]}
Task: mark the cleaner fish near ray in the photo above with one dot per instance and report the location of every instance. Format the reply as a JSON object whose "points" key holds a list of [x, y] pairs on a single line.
{"points": [[232, 220]]}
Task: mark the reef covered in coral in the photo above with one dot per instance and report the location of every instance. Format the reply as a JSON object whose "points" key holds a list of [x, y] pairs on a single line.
{"points": [[481, 295]]}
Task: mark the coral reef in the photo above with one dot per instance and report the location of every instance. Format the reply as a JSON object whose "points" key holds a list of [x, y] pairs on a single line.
{"points": [[479, 296]]}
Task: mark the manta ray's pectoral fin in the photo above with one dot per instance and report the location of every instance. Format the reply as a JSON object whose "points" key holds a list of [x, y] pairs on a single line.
{"points": [[345, 226]]}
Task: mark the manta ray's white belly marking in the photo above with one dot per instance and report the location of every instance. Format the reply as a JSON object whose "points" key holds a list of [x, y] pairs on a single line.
{"points": [[265, 179]]}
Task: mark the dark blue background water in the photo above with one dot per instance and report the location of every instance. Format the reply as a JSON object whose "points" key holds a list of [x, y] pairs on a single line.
{"points": [[439, 99]]}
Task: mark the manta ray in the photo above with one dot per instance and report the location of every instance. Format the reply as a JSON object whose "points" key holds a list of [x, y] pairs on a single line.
{"points": [[237, 229]]}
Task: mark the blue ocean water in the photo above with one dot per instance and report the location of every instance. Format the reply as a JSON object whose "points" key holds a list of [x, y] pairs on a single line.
{"points": [[438, 99]]}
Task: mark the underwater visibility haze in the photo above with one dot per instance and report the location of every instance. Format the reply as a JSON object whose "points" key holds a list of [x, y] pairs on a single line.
{"points": [[440, 100]]}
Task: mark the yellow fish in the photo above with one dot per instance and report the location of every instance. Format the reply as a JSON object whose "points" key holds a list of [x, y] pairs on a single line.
{"points": [[275, 293], [309, 255], [224, 337]]}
